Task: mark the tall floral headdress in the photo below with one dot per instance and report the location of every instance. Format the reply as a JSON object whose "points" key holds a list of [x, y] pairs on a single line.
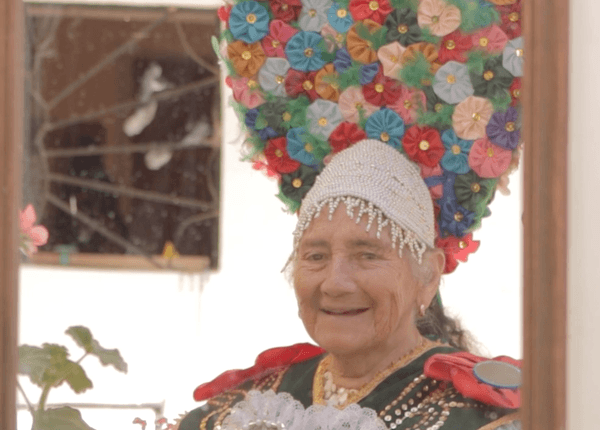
{"points": [[438, 80]]}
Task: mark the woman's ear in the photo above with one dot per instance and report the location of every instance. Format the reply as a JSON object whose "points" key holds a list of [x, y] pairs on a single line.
{"points": [[434, 261]]}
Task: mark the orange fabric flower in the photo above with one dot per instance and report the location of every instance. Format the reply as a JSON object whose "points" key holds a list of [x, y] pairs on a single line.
{"points": [[326, 83], [361, 50], [247, 59], [440, 17], [471, 117], [428, 50], [503, 2]]}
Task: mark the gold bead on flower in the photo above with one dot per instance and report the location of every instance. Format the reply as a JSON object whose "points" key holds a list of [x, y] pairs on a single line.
{"points": [[451, 79], [384, 137], [490, 152], [458, 216], [379, 88], [341, 13], [475, 187], [488, 75], [373, 5], [251, 18], [278, 153], [246, 55], [509, 126], [483, 41], [456, 149], [450, 44], [286, 116], [308, 147], [476, 116], [403, 29], [297, 183], [308, 52], [322, 121], [307, 85], [423, 145]]}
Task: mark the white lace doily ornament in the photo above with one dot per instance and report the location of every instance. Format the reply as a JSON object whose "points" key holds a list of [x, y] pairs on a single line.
{"points": [[270, 411]]}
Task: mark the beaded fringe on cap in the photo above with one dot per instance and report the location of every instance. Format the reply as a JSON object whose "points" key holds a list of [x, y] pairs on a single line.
{"points": [[398, 235]]}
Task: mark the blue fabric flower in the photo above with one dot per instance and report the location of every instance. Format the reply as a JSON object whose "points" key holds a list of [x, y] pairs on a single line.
{"points": [[298, 149], [342, 61], [323, 117], [339, 18], [264, 131], [314, 14], [272, 76], [387, 126], [456, 157], [303, 51], [249, 21], [368, 73], [267, 133], [512, 57], [503, 130], [452, 82], [455, 219], [250, 119]]}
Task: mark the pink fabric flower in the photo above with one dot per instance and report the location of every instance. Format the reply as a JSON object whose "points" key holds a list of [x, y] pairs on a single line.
{"points": [[491, 39], [279, 33], [32, 235], [247, 92], [351, 101], [332, 38], [471, 117], [389, 55], [441, 18], [488, 160], [437, 190], [409, 104]]}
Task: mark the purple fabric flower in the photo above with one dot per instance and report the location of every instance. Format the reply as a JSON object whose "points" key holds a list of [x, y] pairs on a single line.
{"points": [[342, 60], [502, 129], [368, 73]]}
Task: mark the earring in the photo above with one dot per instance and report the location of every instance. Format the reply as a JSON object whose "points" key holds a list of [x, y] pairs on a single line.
{"points": [[422, 310]]}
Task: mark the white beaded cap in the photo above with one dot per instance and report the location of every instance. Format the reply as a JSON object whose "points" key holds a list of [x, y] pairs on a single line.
{"points": [[381, 182]]}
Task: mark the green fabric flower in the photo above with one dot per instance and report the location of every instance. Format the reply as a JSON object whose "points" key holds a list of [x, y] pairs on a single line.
{"points": [[295, 185], [494, 79], [472, 192], [273, 112], [403, 27]]}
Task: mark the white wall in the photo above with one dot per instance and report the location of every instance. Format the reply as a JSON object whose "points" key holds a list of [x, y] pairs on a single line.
{"points": [[175, 335], [583, 374]]}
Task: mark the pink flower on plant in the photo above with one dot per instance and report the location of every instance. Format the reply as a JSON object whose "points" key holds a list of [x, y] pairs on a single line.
{"points": [[32, 235]]}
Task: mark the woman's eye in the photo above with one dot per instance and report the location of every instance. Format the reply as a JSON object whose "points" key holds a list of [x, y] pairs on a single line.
{"points": [[368, 256], [315, 257]]}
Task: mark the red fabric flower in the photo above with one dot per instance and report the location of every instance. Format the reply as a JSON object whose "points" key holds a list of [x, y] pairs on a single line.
{"points": [[286, 10], [375, 10], [279, 33], [515, 91], [458, 369], [223, 13], [436, 191], [278, 157], [297, 83], [265, 363], [423, 145], [261, 166], [510, 15], [344, 135], [382, 90], [454, 47], [456, 249]]}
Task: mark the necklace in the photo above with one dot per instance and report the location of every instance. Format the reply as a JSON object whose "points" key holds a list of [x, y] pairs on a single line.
{"points": [[325, 392]]}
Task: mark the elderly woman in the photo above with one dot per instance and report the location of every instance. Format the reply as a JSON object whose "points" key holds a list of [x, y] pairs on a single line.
{"points": [[389, 125]]}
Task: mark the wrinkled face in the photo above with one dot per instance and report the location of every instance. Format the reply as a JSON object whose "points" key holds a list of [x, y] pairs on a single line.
{"points": [[354, 292]]}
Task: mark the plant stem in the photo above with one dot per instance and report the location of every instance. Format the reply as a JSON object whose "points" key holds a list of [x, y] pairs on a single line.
{"points": [[82, 357], [44, 397], [29, 406]]}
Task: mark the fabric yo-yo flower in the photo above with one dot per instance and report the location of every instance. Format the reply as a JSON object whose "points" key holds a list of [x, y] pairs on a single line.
{"points": [[409, 104], [305, 148], [454, 47], [295, 185], [428, 51], [333, 39], [437, 189], [502, 129], [249, 21], [345, 135], [272, 75], [456, 157], [382, 91], [487, 159], [247, 92], [278, 158], [452, 83], [491, 39], [471, 117], [515, 91], [456, 249], [361, 50], [376, 10], [313, 15], [274, 112], [342, 61], [322, 118], [286, 10], [387, 126], [403, 27], [279, 33], [510, 15], [512, 57], [352, 103], [298, 83], [326, 83], [246, 59], [458, 369], [389, 55], [455, 219], [368, 72], [339, 18], [473, 192], [423, 145], [303, 51], [494, 80], [440, 17]]}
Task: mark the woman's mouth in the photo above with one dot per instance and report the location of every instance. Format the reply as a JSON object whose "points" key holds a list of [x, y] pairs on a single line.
{"points": [[344, 312]]}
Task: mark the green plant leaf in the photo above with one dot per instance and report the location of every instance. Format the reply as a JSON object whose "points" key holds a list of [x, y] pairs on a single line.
{"points": [[33, 362], [83, 337], [62, 369], [60, 418]]}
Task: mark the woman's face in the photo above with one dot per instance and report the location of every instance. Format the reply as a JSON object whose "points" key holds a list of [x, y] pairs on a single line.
{"points": [[355, 294]]}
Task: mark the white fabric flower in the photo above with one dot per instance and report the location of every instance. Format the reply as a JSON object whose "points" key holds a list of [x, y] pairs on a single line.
{"points": [[272, 75], [323, 117], [512, 57], [452, 82], [314, 14]]}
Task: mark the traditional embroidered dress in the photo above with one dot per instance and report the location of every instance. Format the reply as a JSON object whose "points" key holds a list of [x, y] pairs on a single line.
{"points": [[402, 396]]}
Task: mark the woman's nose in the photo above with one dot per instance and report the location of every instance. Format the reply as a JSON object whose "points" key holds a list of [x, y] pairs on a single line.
{"points": [[338, 278]]}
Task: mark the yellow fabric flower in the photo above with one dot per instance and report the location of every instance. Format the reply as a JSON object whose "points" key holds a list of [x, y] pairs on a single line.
{"points": [[441, 18]]}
